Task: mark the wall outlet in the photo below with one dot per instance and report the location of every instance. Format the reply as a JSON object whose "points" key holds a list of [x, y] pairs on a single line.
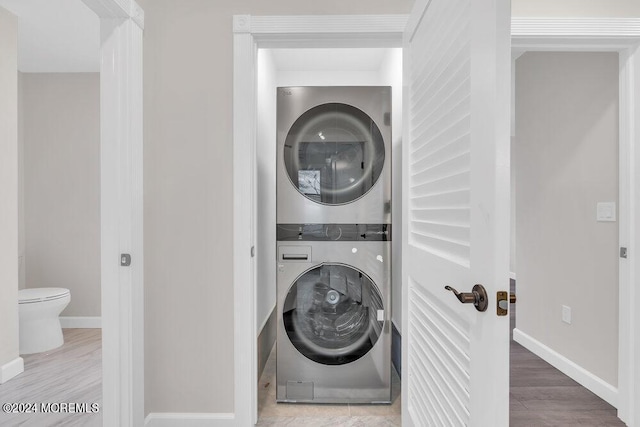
{"points": [[566, 314]]}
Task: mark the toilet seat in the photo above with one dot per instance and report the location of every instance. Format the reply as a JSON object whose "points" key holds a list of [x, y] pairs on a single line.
{"points": [[34, 295]]}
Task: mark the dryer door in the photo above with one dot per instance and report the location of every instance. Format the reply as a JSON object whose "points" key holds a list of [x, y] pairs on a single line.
{"points": [[334, 153], [331, 314]]}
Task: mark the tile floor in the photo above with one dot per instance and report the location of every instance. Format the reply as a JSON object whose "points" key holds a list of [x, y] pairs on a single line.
{"points": [[271, 413]]}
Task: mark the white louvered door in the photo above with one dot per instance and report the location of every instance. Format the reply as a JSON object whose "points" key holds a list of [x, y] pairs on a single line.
{"points": [[455, 212]]}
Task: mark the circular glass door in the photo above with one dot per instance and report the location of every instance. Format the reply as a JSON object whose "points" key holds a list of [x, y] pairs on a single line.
{"points": [[330, 314], [334, 154]]}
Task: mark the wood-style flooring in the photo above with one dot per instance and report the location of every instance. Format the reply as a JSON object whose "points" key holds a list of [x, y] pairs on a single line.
{"points": [[540, 395], [68, 374]]}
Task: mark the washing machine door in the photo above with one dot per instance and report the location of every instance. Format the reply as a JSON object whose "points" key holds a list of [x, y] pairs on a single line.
{"points": [[331, 312], [334, 153]]}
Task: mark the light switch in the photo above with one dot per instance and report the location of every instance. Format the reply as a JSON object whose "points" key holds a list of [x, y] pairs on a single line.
{"points": [[606, 211]]}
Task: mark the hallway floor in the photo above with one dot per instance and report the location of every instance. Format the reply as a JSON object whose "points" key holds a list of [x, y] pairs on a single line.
{"points": [[71, 373], [540, 395]]}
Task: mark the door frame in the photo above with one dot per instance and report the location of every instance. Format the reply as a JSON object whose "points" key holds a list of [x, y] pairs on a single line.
{"points": [[253, 32], [121, 210], [622, 36]]}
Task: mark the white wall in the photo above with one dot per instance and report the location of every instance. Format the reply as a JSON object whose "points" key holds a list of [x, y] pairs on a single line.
{"points": [[565, 161], [328, 78], [266, 209], [391, 75], [61, 160], [8, 191], [188, 81], [570, 8]]}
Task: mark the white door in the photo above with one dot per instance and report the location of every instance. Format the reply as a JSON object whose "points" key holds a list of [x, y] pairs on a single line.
{"points": [[455, 212]]}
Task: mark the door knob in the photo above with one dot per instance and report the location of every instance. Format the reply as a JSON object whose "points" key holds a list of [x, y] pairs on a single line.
{"points": [[477, 297]]}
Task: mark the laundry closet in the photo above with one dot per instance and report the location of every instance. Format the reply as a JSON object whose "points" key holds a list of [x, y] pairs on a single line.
{"points": [[337, 227]]}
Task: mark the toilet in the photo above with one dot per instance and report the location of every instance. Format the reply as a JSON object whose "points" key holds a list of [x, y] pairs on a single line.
{"points": [[39, 325]]}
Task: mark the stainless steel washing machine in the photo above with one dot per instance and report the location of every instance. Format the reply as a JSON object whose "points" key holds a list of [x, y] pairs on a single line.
{"points": [[334, 155], [333, 313]]}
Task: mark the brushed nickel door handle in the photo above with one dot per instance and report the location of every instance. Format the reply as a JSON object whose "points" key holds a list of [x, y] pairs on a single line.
{"points": [[477, 297]]}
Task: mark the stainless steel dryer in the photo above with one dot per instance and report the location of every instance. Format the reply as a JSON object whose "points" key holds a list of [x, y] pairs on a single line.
{"points": [[334, 155], [333, 314]]}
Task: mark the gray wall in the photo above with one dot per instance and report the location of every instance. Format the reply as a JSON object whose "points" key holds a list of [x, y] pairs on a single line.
{"points": [[61, 136], [8, 188], [21, 234], [571, 8], [565, 161], [188, 78]]}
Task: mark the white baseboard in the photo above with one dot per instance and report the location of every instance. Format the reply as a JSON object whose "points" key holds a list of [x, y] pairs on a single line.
{"points": [[89, 322], [171, 419], [596, 385], [11, 369]]}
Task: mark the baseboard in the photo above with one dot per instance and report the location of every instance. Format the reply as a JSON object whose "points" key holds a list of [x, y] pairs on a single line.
{"points": [[396, 349], [171, 419], [596, 385], [266, 340], [88, 322], [11, 369]]}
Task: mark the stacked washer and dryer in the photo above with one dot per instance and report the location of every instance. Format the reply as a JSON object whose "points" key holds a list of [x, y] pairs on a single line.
{"points": [[334, 244]]}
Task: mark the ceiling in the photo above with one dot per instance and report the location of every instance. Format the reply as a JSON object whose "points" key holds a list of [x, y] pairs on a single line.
{"points": [[56, 36]]}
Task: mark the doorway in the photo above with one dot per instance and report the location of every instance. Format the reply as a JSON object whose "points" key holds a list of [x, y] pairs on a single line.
{"points": [[250, 32], [59, 231], [381, 32], [120, 39], [565, 163], [281, 67], [604, 35]]}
